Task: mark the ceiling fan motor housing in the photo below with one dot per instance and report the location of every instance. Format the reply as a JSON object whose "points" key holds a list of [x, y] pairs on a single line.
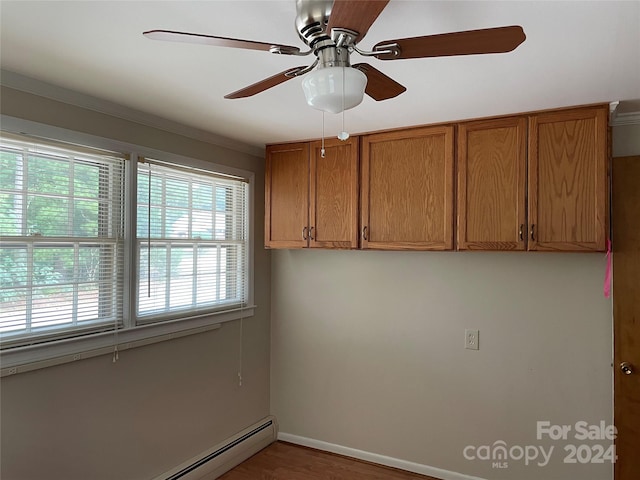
{"points": [[311, 23], [312, 19]]}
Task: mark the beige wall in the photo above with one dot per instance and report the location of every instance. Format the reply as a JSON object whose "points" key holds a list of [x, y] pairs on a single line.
{"points": [[367, 350], [158, 405], [626, 140]]}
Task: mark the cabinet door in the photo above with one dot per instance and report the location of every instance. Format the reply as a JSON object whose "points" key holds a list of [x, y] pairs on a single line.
{"points": [[333, 209], [287, 196], [407, 189], [568, 180], [491, 184]]}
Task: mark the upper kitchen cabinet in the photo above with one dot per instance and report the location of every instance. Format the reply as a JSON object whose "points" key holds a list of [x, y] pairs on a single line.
{"points": [[567, 188], [333, 199], [311, 199], [534, 181], [491, 184], [287, 196], [407, 189]]}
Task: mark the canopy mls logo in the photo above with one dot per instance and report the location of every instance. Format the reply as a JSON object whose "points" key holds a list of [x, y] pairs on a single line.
{"points": [[500, 453]]}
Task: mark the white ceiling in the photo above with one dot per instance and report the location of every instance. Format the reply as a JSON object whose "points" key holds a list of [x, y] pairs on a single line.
{"points": [[576, 52]]}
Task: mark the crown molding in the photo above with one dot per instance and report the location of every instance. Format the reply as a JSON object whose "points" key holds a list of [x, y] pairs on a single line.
{"points": [[630, 118], [37, 87], [617, 119]]}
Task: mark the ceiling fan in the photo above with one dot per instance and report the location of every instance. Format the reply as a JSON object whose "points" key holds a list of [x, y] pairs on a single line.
{"points": [[332, 30]]}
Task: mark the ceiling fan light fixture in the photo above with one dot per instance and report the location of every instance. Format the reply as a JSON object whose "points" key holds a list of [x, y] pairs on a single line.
{"points": [[323, 88]]}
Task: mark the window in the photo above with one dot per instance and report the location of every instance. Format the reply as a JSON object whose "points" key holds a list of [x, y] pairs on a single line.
{"points": [[191, 240], [69, 271], [61, 255]]}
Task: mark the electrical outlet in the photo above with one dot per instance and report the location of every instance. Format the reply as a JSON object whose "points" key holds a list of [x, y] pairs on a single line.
{"points": [[471, 339]]}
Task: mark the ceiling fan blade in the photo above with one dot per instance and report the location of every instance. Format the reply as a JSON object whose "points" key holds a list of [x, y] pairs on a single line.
{"points": [[471, 42], [171, 36], [379, 85], [265, 84], [356, 15]]}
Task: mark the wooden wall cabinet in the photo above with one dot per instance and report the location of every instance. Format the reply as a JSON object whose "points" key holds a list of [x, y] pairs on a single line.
{"points": [[286, 196], [492, 164], [529, 182], [568, 162], [333, 207], [561, 205], [406, 197], [310, 200]]}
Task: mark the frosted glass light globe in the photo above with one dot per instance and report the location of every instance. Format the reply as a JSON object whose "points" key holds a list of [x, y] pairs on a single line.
{"points": [[323, 88]]}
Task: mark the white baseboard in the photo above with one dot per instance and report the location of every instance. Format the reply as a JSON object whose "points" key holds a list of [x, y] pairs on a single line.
{"points": [[224, 456], [375, 458]]}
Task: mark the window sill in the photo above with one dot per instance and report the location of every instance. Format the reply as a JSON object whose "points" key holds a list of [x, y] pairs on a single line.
{"points": [[33, 357]]}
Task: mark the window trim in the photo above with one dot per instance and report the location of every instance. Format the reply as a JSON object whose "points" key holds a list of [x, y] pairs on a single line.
{"points": [[22, 359], [18, 359]]}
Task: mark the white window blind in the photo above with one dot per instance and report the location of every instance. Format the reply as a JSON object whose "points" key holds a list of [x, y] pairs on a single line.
{"points": [[61, 240], [192, 241]]}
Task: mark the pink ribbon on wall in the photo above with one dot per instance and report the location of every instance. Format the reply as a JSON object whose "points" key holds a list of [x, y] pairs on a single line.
{"points": [[607, 273]]}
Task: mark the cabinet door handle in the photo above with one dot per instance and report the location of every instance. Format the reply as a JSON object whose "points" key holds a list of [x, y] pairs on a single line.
{"points": [[311, 233], [521, 231], [626, 368], [364, 233], [533, 226], [304, 233]]}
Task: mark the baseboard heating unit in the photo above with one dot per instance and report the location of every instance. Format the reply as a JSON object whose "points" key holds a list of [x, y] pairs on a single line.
{"points": [[218, 460]]}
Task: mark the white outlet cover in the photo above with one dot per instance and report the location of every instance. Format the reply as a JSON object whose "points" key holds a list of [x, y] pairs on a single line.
{"points": [[471, 339]]}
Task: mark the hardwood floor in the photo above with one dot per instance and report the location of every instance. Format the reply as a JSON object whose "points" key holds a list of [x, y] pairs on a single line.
{"points": [[285, 461]]}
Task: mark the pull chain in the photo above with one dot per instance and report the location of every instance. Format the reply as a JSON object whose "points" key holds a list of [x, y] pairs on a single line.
{"points": [[149, 237], [343, 99], [240, 349], [322, 148], [343, 135]]}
